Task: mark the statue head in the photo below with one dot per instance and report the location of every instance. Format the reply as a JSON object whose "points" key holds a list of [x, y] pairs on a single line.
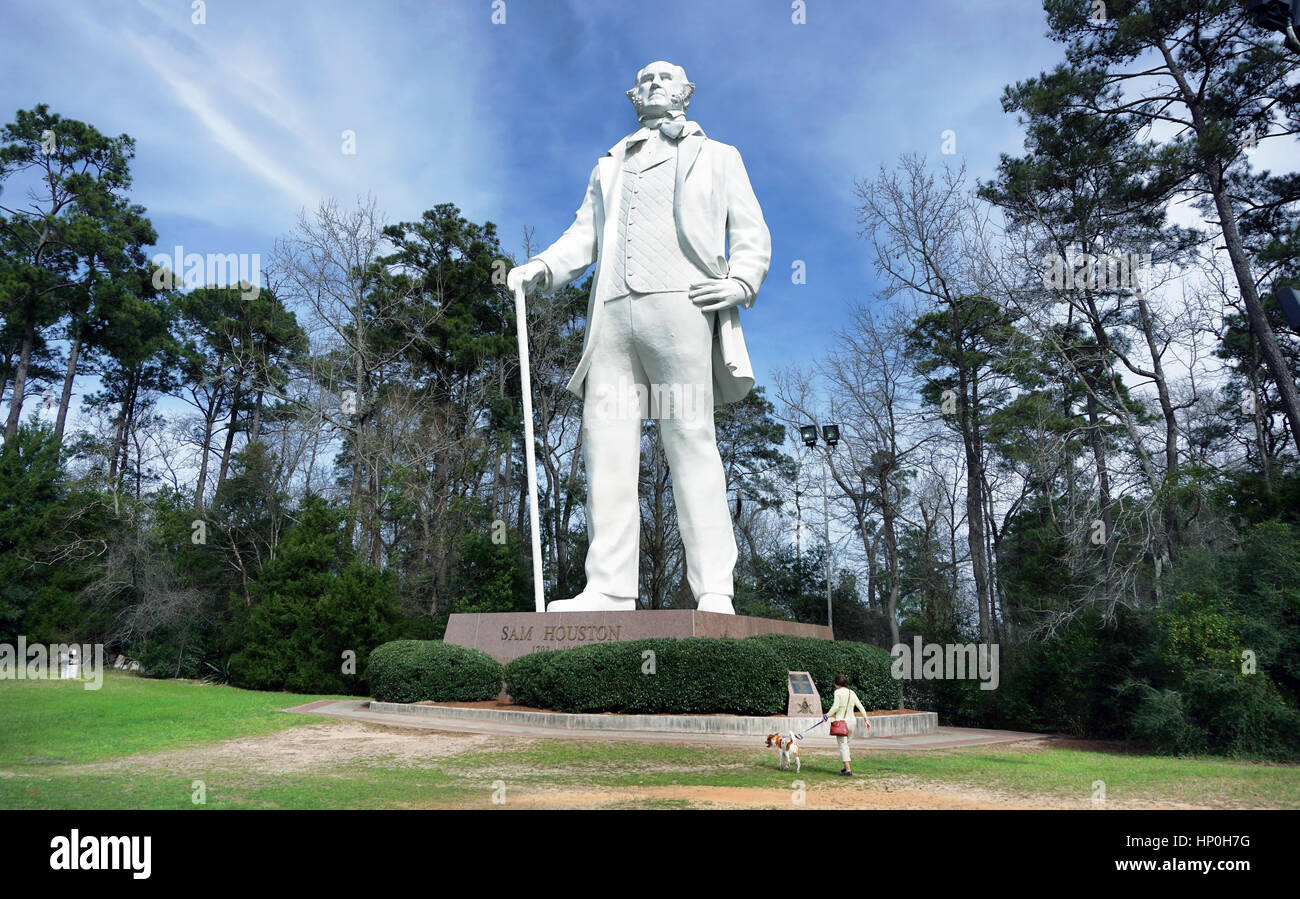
{"points": [[661, 88]]}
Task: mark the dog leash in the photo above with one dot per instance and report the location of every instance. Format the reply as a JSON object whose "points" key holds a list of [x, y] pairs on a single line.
{"points": [[814, 727]]}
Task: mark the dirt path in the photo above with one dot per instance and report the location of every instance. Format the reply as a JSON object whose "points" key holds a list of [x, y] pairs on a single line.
{"points": [[315, 747], [755, 798], [303, 749], [900, 793]]}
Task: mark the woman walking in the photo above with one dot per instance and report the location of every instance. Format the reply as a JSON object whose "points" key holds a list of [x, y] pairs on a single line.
{"points": [[841, 718]]}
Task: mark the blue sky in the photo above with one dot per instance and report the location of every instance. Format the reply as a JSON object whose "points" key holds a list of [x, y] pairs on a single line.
{"points": [[238, 121]]}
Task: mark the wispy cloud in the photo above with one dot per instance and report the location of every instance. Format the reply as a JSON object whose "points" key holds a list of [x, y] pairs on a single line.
{"points": [[220, 127]]}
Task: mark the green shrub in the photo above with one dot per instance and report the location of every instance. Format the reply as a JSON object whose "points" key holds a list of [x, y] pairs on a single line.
{"points": [[867, 667], [1197, 632], [312, 603], [419, 670], [531, 679], [489, 576], [1243, 715], [697, 675], [1161, 721], [1222, 713]]}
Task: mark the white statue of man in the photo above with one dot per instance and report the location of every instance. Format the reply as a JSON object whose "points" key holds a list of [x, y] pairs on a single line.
{"points": [[679, 242]]}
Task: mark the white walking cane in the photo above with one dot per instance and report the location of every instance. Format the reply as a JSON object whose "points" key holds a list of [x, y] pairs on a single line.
{"points": [[526, 382]]}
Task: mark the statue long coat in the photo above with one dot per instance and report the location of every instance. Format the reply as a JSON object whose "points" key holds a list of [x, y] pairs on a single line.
{"points": [[715, 210]]}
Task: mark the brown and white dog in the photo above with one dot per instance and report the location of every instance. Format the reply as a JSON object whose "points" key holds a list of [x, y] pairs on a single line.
{"points": [[785, 746]]}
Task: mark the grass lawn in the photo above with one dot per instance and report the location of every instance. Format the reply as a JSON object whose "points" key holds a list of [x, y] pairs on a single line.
{"points": [[141, 743], [1063, 773], [60, 722]]}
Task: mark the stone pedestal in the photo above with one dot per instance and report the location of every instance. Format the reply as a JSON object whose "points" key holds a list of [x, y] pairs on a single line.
{"points": [[508, 635]]}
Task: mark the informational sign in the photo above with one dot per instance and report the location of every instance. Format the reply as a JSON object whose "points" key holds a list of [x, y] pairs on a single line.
{"points": [[803, 699]]}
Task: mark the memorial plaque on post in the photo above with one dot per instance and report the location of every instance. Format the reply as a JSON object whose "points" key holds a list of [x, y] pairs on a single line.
{"points": [[804, 699]]}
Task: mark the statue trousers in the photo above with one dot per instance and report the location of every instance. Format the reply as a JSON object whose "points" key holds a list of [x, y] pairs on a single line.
{"points": [[654, 360]]}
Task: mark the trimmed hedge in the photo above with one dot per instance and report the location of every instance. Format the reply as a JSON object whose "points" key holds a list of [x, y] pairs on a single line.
{"points": [[695, 675], [867, 667], [419, 670]]}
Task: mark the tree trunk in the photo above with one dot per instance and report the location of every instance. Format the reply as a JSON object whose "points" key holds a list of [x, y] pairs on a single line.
{"points": [[20, 380], [230, 438], [1257, 416], [66, 399], [1170, 509], [209, 422], [1240, 264], [257, 416], [1098, 441], [891, 553], [120, 442], [974, 490]]}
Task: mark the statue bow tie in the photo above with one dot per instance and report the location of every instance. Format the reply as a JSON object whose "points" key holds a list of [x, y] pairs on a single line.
{"points": [[670, 128]]}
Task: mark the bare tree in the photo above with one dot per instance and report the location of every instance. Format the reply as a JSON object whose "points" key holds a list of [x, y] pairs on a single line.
{"points": [[330, 266]]}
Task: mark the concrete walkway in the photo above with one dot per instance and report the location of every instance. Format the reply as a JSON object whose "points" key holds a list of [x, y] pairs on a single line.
{"points": [[943, 738]]}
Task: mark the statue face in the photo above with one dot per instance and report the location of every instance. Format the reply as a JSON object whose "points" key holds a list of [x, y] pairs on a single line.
{"points": [[661, 88]]}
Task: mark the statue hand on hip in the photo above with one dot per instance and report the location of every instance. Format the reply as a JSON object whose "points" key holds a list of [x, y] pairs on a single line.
{"points": [[719, 293]]}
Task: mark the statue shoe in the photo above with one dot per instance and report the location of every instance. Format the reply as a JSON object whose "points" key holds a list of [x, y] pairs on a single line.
{"points": [[715, 602], [591, 601]]}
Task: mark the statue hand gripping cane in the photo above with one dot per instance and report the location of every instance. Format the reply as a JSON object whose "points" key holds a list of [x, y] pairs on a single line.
{"points": [[679, 243]]}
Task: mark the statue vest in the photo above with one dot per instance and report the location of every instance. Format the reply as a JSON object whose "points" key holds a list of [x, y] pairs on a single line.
{"points": [[649, 257]]}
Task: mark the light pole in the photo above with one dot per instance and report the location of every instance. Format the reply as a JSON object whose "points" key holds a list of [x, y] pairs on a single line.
{"points": [[798, 524], [1289, 299], [1277, 15], [831, 434]]}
